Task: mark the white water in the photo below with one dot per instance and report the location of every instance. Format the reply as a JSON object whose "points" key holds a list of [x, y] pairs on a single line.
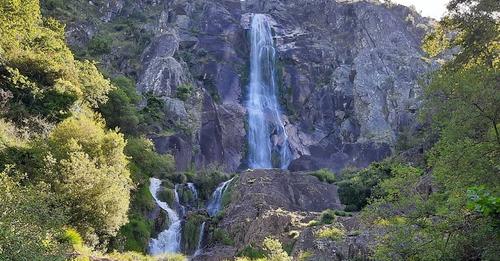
{"points": [[169, 240], [215, 203], [178, 202], [266, 134], [200, 239], [193, 190]]}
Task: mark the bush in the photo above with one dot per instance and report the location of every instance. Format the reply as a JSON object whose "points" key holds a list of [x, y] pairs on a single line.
{"points": [[207, 180], [72, 237], [252, 252], [221, 236], [166, 195], [99, 45], [184, 91], [356, 187], [325, 175], [191, 233], [136, 234], [327, 217], [332, 233]]}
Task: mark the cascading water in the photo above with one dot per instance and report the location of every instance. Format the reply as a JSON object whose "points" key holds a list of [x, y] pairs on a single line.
{"points": [[267, 136], [177, 200], [215, 203], [168, 241], [200, 239], [193, 190]]}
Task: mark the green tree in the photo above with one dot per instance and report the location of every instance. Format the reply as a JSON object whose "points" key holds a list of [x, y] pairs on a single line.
{"points": [[30, 226], [87, 167], [450, 213]]}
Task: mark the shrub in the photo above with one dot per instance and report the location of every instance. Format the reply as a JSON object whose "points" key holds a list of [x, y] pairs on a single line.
{"points": [[252, 252], [184, 91], [207, 180], [356, 187], [99, 45], [313, 223], [221, 236], [325, 175], [275, 250], [72, 237], [166, 195], [191, 232], [327, 216], [136, 233], [332, 233]]}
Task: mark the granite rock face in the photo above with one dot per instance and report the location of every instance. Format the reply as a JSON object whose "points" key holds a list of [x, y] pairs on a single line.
{"points": [[281, 204], [348, 73]]}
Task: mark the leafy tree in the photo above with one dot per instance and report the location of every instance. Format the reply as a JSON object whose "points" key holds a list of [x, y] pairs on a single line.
{"points": [[451, 212], [87, 167], [121, 108], [30, 226]]}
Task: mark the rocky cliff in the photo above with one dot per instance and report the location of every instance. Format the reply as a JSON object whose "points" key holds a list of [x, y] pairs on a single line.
{"points": [[287, 206], [348, 73]]}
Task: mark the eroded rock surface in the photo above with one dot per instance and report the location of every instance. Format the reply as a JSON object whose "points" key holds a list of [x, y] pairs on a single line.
{"points": [[280, 204], [348, 73]]}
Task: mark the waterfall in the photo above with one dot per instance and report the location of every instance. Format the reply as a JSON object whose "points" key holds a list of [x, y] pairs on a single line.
{"points": [[168, 241], [193, 190], [178, 202], [267, 136], [214, 205], [200, 239]]}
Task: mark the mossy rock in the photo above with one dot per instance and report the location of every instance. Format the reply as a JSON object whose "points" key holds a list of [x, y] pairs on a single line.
{"points": [[167, 195], [191, 232]]}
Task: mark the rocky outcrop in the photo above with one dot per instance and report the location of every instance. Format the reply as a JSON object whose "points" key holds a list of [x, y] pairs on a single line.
{"points": [[348, 73], [280, 204]]}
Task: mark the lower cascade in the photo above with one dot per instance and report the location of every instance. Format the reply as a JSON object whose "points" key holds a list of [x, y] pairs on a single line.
{"points": [[267, 137], [215, 203], [168, 241], [200, 240]]}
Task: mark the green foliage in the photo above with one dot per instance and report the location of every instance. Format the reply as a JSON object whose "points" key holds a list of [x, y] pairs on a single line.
{"points": [[146, 161], [481, 200], [136, 234], [356, 187], [327, 216], [99, 45], [153, 112], [38, 71], [166, 195], [251, 252], [79, 151], [72, 237], [332, 233], [221, 236], [275, 250], [29, 224], [207, 180], [325, 175], [184, 91], [191, 232], [121, 108], [451, 213]]}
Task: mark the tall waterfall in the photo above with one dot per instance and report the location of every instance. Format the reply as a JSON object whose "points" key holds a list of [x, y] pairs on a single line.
{"points": [[267, 138], [169, 240]]}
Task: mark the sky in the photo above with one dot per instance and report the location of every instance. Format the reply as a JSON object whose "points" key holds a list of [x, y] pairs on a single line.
{"points": [[431, 8]]}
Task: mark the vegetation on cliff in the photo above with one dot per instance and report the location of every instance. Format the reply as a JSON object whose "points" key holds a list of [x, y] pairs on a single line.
{"points": [[450, 211]]}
